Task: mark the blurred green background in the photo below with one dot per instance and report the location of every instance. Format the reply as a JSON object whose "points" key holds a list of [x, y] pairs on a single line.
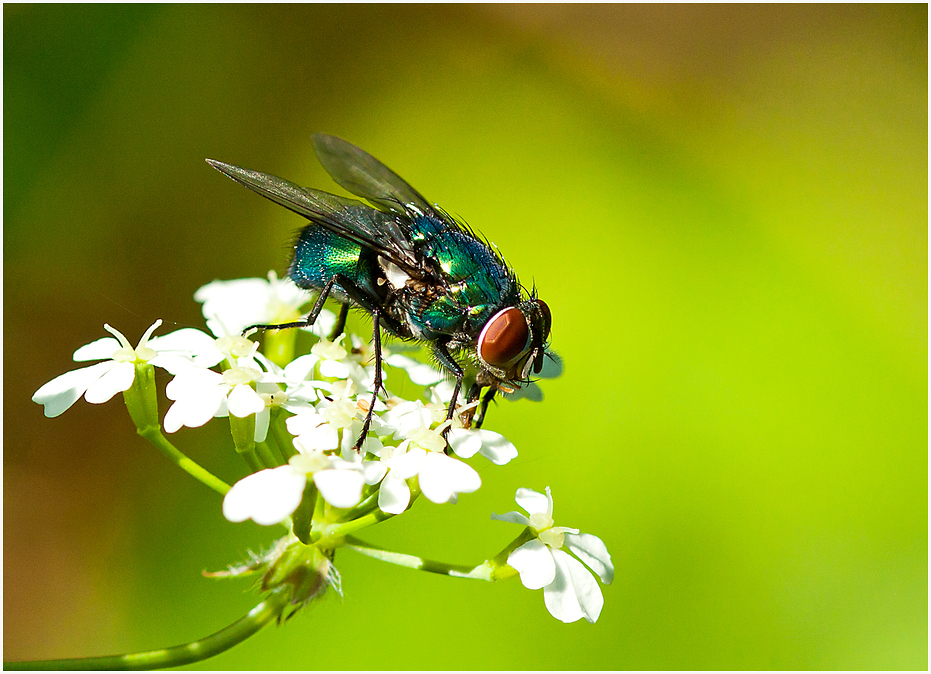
{"points": [[725, 208]]}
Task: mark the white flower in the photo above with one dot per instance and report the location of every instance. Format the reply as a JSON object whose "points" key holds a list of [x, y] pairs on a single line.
{"points": [[201, 394], [266, 497], [329, 354], [466, 442], [356, 365], [297, 396], [272, 495], [406, 417], [320, 428], [569, 590], [254, 301], [340, 479], [313, 431], [441, 478], [300, 389], [419, 373], [98, 383]]}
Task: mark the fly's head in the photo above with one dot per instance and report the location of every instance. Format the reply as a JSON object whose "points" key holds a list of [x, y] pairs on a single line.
{"points": [[512, 344]]}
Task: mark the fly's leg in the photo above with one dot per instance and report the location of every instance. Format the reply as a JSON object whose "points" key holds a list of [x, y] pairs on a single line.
{"points": [[475, 417], [340, 326], [311, 317], [447, 361], [487, 398], [376, 341], [468, 415]]}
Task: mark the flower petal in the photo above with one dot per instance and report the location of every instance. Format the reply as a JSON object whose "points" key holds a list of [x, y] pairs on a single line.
{"points": [[100, 349], [243, 401], [534, 562], [340, 488], [189, 343], [299, 369], [465, 442], [409, 463], [64, 390], [266, 497], [191, 382], [532, 501], [512, 516], [592, 550], [261, 425], [317, 438], [194, 411], [119, 378], [496, 448], [559, 596], [243, 302], [574, 593], [373, 471], [442, 477], [334, 369], [394, 495], [419, 373]]}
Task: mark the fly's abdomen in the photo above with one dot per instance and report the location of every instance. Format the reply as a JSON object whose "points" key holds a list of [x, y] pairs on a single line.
{"points": [[319, 255]]}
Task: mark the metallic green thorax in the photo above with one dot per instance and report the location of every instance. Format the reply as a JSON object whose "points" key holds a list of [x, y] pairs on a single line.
{"points": [[476, 282]]}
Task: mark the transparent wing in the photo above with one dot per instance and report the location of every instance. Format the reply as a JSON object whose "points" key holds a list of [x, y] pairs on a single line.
{"points": [[359, 172], [379, 231]]}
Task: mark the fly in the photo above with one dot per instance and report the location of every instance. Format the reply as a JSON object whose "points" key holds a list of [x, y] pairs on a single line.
{"points": [[419, 273]]}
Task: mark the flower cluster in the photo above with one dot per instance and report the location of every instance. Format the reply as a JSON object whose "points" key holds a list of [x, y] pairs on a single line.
{"points": [[297, 410]]}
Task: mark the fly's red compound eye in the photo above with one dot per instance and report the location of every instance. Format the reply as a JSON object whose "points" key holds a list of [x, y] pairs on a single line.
{"points": [[504, 338]]}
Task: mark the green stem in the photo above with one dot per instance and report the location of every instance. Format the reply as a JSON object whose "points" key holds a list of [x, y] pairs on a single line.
{"points": [[265, 455], [260, 616], [492, 569], [274, 449], [364, 507], [280, 433], [335, 531], [251, 460], [484, 571], [154, 435], [142, 404], [341, 529]]}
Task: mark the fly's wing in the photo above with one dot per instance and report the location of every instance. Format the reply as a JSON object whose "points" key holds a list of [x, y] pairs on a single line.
{"points": [[359, 172], [353, 220]]}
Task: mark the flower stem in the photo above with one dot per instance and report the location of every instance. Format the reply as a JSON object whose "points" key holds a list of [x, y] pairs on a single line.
{"points": [[335, 531], [266, 457], [492, 569], [280, 433], [268, 610], [154, 435], [484, 571], [142, 404]]}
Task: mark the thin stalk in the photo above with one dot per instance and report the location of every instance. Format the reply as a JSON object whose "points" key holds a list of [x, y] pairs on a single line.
{"points": [[265, 455], [267, 611], [280, 433], [142, 405], [484, 571], [492, 569], [154, 435]]}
